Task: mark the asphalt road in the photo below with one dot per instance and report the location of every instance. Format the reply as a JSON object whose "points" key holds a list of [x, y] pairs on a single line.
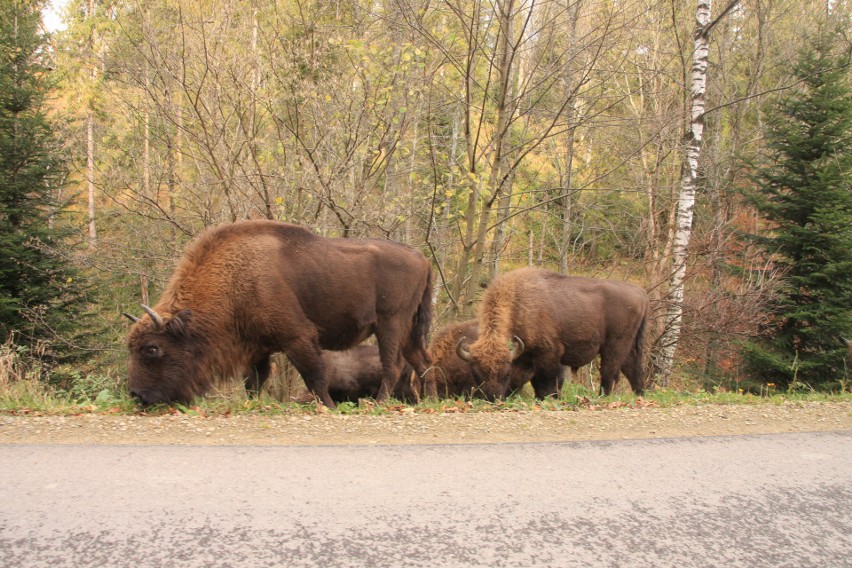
{"points": [[771, 500]]}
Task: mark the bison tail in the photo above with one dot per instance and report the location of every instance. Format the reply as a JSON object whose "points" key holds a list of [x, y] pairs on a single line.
{"points": [[636, 370], [422, 321], [639, 340]]}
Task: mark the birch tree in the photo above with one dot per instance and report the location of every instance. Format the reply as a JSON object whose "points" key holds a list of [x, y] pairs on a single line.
{"points": [[90, 128], [693, 138]]}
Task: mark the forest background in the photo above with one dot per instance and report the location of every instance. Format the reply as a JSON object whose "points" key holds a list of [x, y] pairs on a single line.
{"points": [[488, 134]]}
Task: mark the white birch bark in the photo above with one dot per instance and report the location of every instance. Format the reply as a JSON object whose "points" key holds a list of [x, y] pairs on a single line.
{"points": [[686, 201], [90, 175], [146, 141], [90, 141]]}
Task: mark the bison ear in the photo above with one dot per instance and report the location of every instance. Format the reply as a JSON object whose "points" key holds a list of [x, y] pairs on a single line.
{"points": [[178, 326], [516, 347]]}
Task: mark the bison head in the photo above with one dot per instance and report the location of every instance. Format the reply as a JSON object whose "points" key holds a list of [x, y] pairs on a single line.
{"points": [[490, 362], [163, 356]]}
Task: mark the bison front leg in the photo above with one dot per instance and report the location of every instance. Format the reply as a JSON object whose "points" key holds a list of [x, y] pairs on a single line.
{"points": [[548, 379]]}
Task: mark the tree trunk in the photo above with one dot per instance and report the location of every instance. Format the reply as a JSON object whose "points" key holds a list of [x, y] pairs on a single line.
{"points": [[462, 305], [566, 201], [90, 175], [90, 137], [146, 134], [497, 177], [686, 201]]}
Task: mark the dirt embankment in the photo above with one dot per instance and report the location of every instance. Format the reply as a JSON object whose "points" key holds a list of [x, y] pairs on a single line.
{"points": [[412, 428]]}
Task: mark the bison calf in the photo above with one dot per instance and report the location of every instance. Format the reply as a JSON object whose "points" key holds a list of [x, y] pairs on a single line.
{"points": [[244, 291], [357, 373]]}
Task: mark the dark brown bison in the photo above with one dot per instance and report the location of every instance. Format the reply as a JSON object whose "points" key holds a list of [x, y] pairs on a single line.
{"points": [[452, 375], [537, 318], [246, 290], [357, 373]]}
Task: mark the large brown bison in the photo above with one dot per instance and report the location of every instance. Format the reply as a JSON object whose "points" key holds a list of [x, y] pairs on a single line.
{"points": [[357, 373], [246, 290], [536, 318], [454, 376]]}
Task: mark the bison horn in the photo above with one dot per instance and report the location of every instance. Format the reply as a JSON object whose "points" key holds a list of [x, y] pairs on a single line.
{"points": [[131, 317], [517, 347], [155, 317], [461, 350]]}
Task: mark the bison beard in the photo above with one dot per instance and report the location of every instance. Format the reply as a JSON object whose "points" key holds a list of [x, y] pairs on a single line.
{"points": [[538, 319], [246, 290]]}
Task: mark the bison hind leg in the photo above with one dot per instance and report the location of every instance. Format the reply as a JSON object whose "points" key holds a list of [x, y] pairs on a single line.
{"points": [[634, 372], [393, 352], [391, 376], [417, 356], [610, 368]]}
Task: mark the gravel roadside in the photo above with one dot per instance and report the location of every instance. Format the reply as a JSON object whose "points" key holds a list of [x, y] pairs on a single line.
{"points": [[411, 428]]}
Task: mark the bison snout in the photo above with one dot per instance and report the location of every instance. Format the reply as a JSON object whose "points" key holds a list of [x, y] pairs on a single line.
{"points": [[491, 396], [145, 398]]}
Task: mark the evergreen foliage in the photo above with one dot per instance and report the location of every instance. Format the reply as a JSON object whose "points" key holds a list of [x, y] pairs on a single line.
{"points": [[39, 296], [805, 192]]}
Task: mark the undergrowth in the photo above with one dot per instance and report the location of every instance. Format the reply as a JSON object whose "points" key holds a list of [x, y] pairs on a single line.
{"points": [[31, 397], [28, 387]]}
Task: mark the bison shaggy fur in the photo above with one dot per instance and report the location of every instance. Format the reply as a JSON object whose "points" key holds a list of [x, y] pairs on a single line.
{"points": [[537, 318], [246, 290], [453, 376]]}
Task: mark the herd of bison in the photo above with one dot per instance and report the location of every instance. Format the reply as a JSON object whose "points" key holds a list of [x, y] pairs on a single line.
{"points": [[244, 291]]}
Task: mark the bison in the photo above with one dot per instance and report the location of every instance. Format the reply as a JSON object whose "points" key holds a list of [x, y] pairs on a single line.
{"points": [[453, 376], [245, 290], [357, 373], [537, 318]]}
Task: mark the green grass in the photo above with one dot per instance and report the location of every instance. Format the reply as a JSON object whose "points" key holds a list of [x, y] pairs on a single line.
{"points": [[30, 397], [27, 387]]}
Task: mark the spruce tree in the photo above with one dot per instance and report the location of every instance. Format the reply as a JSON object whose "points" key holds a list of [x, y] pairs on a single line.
{"points": [[804, 190], [38, 300]]}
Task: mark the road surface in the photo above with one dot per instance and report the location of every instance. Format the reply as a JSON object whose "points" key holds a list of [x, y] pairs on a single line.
{"points": [[768, 500]]}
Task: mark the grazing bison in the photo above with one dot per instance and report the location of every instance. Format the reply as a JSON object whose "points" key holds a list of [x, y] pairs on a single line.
{"points": [[453, 376], [246, 290], [357, 373], [537, 318]]}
